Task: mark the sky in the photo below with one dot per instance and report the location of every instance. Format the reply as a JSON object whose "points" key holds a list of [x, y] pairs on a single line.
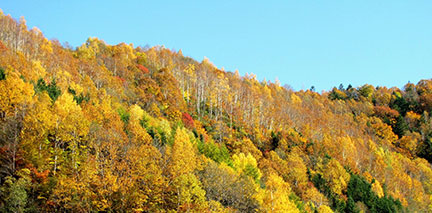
{"points": [[301, 43]]}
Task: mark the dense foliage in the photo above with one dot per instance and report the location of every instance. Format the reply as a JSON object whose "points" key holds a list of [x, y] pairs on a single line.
{"points": [[122, 128]]}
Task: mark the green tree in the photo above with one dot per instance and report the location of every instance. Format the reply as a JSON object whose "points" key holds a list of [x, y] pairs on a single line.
{"points": [[14, 196]]}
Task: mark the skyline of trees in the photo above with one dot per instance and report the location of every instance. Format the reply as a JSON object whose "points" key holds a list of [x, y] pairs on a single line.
{"points": [[122, 128]]}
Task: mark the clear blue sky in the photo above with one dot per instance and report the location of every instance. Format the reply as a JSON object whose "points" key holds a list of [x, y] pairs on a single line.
{"points": [[302, 43]]}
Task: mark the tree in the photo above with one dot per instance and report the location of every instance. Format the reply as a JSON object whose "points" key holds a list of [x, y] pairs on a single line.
{"points": [[36, 128], [14, 94], [277, 193], [182, 164], [14, 196], [361, 190], [182, 157], [336, 176], [224, 185], [336, 94], [366, 91], [247, 165], [69, 128], [15, 98]]}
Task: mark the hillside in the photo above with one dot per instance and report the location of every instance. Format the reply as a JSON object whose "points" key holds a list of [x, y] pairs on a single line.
{"points": [[123, 128]]}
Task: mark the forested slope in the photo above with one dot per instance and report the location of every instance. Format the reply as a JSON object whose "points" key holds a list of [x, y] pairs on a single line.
{"points": [[123, 128]]}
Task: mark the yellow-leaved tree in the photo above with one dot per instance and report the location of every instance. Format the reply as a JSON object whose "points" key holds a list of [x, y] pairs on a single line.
{"points": [[276, 196], [247, 165], [69, 125], [138, 135], [183, 162], [336, 176], [15, 94], [36, 127], [15, 98]]}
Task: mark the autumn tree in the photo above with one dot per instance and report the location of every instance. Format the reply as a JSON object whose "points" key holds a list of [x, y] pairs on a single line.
{"points": [[277, 196]]}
